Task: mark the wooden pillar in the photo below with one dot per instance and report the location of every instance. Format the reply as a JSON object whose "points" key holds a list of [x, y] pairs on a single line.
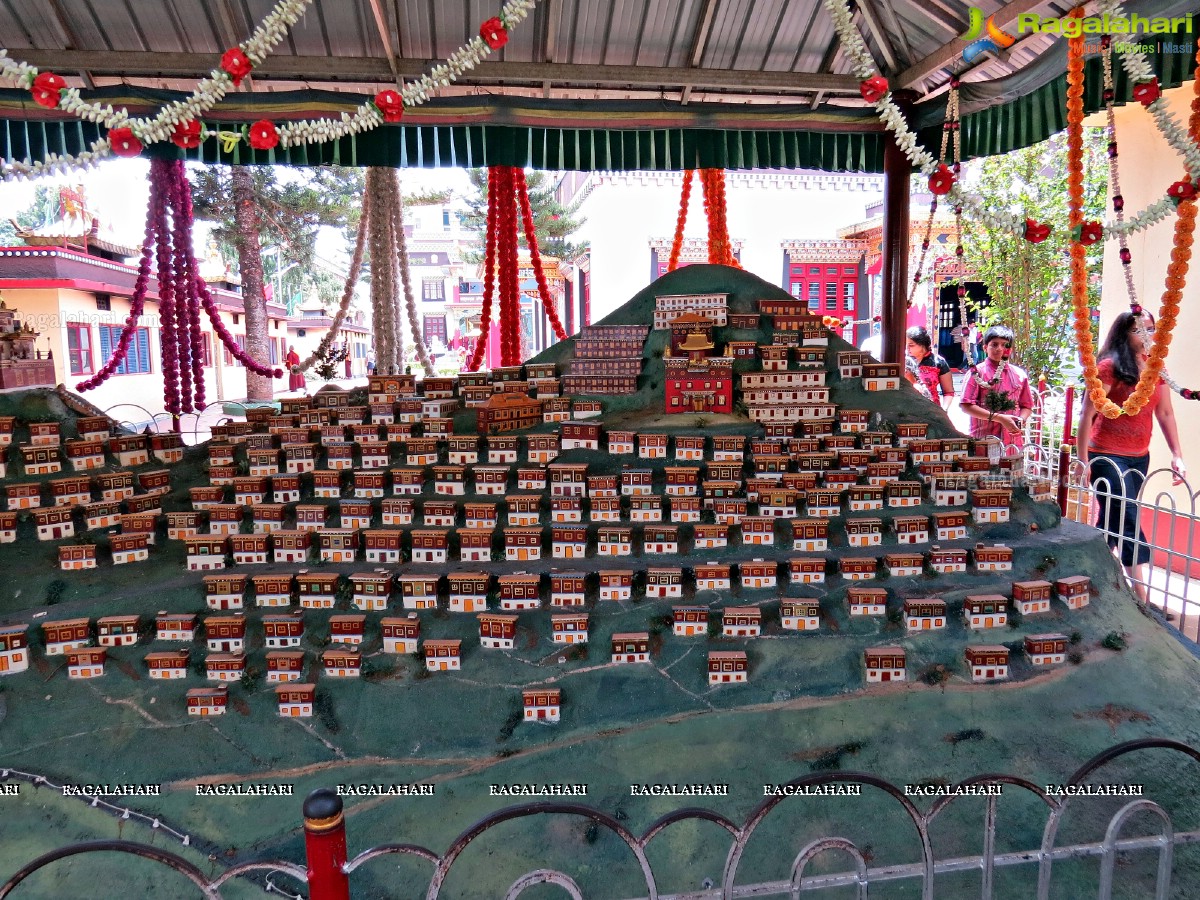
{"points": [[896, 172]]}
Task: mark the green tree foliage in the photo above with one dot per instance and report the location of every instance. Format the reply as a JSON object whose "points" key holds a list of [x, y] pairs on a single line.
{"points": [[554, 223], [1029, 284], [44, 210]]}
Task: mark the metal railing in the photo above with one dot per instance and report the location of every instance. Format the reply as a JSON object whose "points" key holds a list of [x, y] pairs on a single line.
{"points": [[328, 872]]}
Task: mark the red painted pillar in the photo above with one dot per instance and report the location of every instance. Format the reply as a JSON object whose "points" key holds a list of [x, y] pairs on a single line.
{"points": [[896, 170], [325, 846]]}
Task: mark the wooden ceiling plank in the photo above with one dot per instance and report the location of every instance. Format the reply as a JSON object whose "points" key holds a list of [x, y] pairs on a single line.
{"points": [[385, 36]]}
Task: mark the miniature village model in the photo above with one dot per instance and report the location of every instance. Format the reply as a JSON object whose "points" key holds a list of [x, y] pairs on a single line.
{"points": [[743, 526]]}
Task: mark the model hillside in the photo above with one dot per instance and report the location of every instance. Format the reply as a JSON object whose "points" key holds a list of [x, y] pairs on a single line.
{"points": [[703, 530]]}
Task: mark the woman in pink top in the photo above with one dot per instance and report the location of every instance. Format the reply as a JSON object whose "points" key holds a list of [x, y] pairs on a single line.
{"points": [[1009, 386], [1118, 450]]}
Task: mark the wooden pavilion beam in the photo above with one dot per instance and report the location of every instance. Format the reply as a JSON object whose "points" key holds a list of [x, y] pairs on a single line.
{"points": [[700, 42], [385, 36]]}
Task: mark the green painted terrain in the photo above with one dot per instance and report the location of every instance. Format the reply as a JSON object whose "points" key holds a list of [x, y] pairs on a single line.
{"points": [[806, 710]]}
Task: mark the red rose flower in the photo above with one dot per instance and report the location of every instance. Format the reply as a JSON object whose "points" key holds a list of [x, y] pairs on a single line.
{"points": [[873, 88], [46, 89], [1182, 190], [186, 134], [263, 135], [1035, 232], [493, 32], [1090, 232], [124, 142], [1146, 92], [941, 181], [390, 105], [236, 63]]}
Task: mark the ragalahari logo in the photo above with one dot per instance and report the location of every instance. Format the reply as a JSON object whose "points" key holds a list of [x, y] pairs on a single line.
{"points": [[983, 36]]}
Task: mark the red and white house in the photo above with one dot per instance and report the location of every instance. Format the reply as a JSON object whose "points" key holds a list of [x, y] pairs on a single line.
{"points": [[1046, 649], [117, 631], [284, 665], [1031, 597], [205, 553], [904, 564], [491, 479], [950, 526], [542, 704], [520, 592], [497, 631], [986, 610], [712, 576], [175, 627], [567, 589], [348, 629], [207, 701], [997, 558], [987, 662], [224, 591], [867, 601], [407, 482], [615, 584], [757, 574], [524, 510], [397, 511], [501, 449], [864, 532], [14, 649], [727, 667], [430, 545], [741, 621], [881, 376], [281, 632], [945, 561], [991, 505], [800, 615], [400, 634], [620, 443], [443, 655], [645, 508], [250, 549], [225, 666], [806, 570], [567, 541], [524, 544], [416, 591], [439, 513], [1074, 590], [167, 665], [569, 628], [54, 522], [317, 590], [341, 662], [225, 634], [924, 613], [631, 647], [810, 535], [614, 540], [75, 557], [294, 700], [884, 664], [468, 591], [689, 621]]}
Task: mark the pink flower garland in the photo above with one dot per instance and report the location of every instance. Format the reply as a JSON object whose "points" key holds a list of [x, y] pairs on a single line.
{"points": [[489, 273]]}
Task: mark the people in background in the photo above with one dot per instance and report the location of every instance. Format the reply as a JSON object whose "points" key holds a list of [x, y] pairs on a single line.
{"points": [[975, 343], [996, 393], [932, 369], [1117, 451], [348, 361], [295, 379]]}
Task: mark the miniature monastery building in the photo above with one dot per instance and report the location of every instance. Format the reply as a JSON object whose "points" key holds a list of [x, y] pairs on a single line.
{"points": [[54, 522], [986, 610], [900, 494], [207, 701], [541, 704], [406, 482], [205, 553], [924, 613], [987, 662], [443, 655], [806, 570], [501, 449], [40, 460], [491, 479], [167, 665], [616, 584], [117, 631], [524, 510], [884, 664], [569, 628], [566, 510], [800, 615], [710, 537], [14, 649], [400, 634], [741, 621], [429, 546], [71, 491], [74, 557], [523, 544], [282, 631], [904, 564], [568, 588], [317, 590], [250, 549], [660, 539], [225, 634], [911, 529], [291, 546], [727, 667], [810, 535], [497, 631], [341, 662], [881, 376], [712, 576], [520, 592], [867, 601], [371, 591], [1046, 649], [64, 635], [1031, 597], [614, 540], [439, 513], [531, 478], [417, 592], [631, 647], [295, 700], [348, 629], [583, 435], [758, 573], [666, 582], [824, 503], [224, 591], [1074, 591], [468, 591], [175, 627], [947, 561], [864, 532], [284, 665], [474, 544], [645, 508], [225, 666], [991, 505], [998, 558], [950, 526], [541, 448], [396, 511], [689, 621]]}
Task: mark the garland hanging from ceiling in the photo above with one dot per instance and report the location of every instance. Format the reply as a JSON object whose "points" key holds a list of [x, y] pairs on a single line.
{"points": [[182, 294], [720, 247], [180, 122]]}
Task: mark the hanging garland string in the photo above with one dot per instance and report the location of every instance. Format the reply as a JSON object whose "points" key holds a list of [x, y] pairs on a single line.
{"points": [[180, 123], [510, 294], [347, 293], [489, 275], [548, 301], [381, 273], [680, 220], [405, 278], [720, 250]]}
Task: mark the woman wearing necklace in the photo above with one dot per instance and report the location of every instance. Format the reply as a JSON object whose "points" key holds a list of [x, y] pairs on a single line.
{"points": [[996, 393], [1118, 450]]}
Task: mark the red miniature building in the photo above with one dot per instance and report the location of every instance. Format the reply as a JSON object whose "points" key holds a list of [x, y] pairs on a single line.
{"points": [[616, 584], [400, 635], [207, 701], [1075, 590], [1031, 596], [520, 592], [689, 621], [631, 647], [1046, 649], [741, 621], [986, 610], [884, 664], [987, 662], [497, 631], [727, 666]]}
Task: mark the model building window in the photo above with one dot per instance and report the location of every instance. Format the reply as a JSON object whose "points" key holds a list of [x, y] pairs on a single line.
{"points": [[435, 327], [79, 347], [137, 360], [433, 289], [849, 287]]}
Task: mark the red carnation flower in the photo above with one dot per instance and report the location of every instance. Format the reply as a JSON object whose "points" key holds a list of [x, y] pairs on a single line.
{"points": [[263, 135], [873, 89], [941, 181], [1182, 190], [124, 142], [390, 105], [236, 63], [186, 134], [1035, 232], [1090, 232], [494, 33], [47, 89], [1146, 92]]}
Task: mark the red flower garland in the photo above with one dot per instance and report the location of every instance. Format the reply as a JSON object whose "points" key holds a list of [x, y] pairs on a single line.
{"points": [[390, 105], [536, 256], [263, 135], [47, 89], [510, 286], [494, 33], [124, 142], [489, 274], [187, 134], [681, 221], [236, 63]]}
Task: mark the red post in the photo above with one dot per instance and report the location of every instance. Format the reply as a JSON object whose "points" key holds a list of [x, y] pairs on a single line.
{"points": [[1064, 477], [325, 846], [1069, 419]]}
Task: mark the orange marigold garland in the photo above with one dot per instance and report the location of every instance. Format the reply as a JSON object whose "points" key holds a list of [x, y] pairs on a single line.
{"points": [[1176, 271], [681, 220], [720, 249]]}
